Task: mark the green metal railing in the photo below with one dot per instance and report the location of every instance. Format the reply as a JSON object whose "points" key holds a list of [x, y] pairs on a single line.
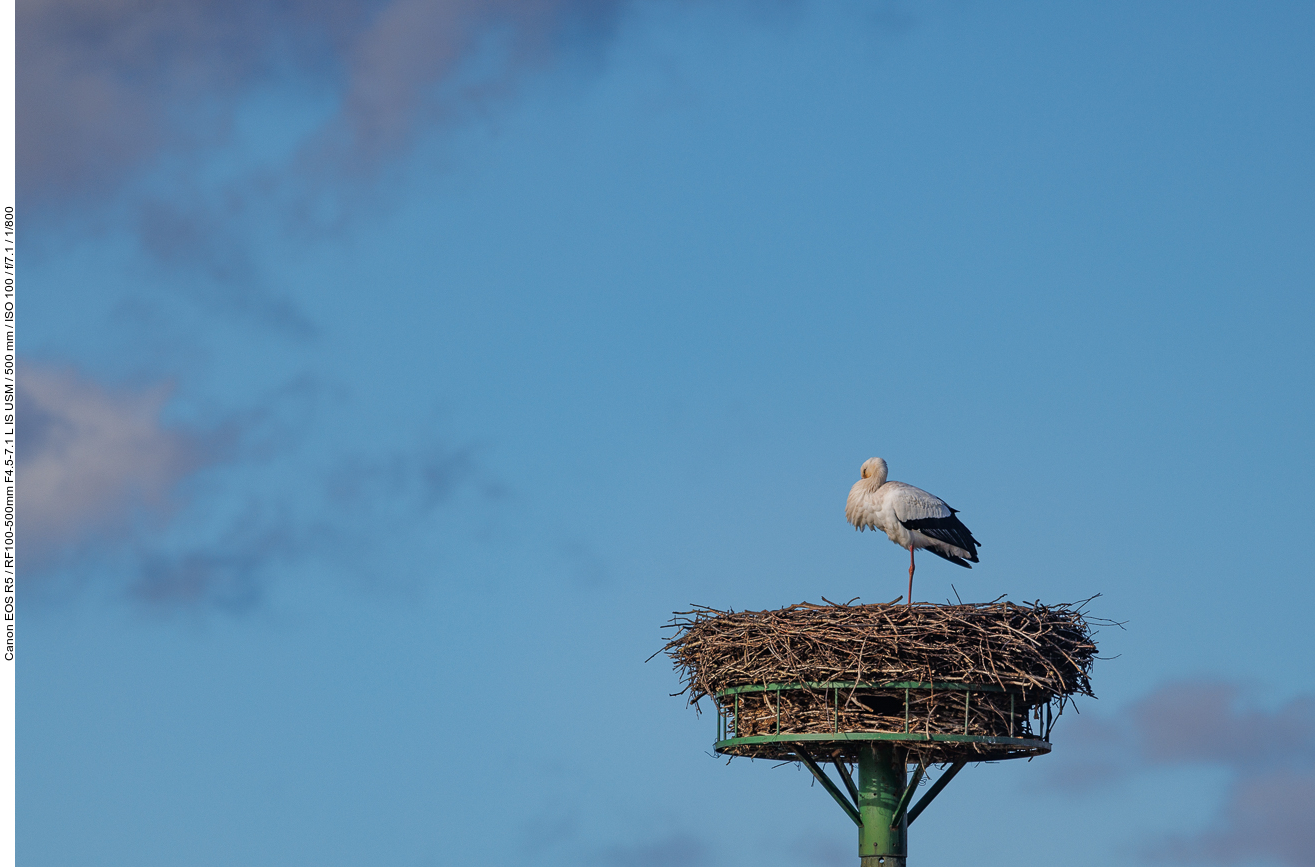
{"points": [[879, 802]]}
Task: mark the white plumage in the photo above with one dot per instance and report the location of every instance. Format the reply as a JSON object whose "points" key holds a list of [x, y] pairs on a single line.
{"points": [[909, 516]]}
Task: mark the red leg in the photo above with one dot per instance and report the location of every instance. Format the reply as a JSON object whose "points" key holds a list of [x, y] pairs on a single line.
{"points": [[910, 598]]}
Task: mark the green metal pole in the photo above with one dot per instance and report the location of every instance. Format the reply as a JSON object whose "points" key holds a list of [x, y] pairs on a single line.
{"points": [[880, 785]]}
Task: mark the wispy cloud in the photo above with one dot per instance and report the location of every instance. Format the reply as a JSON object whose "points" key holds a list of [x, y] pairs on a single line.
{"points": [[1267, 816], [1270, 754], [106, 86], [93, 458], [128, 118], [196, 243], [677, 850], [339, 514], [398, 66], [228, 572], [207, 519]]}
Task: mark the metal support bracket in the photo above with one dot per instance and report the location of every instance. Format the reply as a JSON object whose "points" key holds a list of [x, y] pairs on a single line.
{"points": [[908, 794], [850, 809], [846, 779], [935, 790]]}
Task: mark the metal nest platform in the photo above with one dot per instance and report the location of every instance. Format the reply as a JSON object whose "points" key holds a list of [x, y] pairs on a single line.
{"points": [[886, 688], [749, 720]]}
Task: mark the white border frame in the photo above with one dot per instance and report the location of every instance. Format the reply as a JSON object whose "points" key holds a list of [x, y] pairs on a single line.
{"points": [[8, 794]]}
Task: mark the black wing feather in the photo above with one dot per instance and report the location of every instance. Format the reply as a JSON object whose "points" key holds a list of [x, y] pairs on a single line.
{"points": [[958, 561], [948, 530]]}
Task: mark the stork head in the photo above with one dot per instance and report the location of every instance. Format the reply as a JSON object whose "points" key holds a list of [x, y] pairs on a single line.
{"points": [[874, 468]]}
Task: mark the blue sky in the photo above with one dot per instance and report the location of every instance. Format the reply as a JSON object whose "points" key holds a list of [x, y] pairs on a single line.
{"points": [[393, 370]]}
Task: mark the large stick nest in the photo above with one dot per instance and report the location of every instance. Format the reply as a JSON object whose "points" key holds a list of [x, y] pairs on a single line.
{"points": [[1041, 654]]}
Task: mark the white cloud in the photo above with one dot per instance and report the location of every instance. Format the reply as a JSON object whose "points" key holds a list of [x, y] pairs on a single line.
{"points": [[1270, 756], [91, 457]]}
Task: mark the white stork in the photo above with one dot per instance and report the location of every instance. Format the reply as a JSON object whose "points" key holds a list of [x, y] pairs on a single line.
{"points": [[909, 516]]}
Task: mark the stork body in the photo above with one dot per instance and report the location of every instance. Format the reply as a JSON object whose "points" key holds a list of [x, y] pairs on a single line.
{"points": [[910, 517]]}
